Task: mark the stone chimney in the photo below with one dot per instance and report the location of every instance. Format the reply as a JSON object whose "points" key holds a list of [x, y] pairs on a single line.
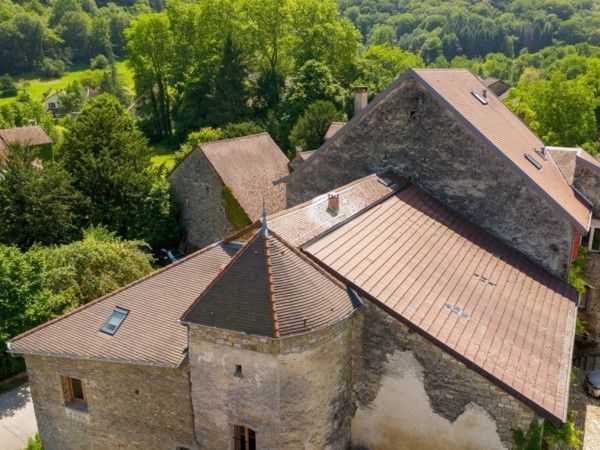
{"points": [[361, 98], [333, 202]]}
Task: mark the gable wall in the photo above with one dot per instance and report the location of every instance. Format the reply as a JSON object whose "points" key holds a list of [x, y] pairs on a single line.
{"points": [[197, 188], [159, 415], [587, 180], [436, 152], [409, 394]]}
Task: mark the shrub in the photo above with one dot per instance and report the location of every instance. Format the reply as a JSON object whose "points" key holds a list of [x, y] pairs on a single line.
{"points": [[8, 87], [52, 68], [99, 62], [34, 443]]}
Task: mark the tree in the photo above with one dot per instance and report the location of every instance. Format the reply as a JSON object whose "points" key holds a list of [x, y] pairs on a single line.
{"points": [[8, 87], [109, 160], [72, 99], [36, 205], [233, 130], [74, 29], [229, 98], [309, 131], [150, 48]]}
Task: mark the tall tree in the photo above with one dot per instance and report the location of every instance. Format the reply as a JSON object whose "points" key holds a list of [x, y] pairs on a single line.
{"points": [[36, 204], [309, 131], [110, 164]]}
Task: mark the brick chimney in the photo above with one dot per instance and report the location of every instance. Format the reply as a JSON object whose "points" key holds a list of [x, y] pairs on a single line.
{"points": [[361, 98], [333, 202]]}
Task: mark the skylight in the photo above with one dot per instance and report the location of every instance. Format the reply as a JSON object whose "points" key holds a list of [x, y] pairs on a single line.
{"points": [[533, 161], [481, 97], [114, 321]]}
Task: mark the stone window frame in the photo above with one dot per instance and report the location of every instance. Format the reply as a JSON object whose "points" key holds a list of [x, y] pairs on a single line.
{"points": [[69, 396]]}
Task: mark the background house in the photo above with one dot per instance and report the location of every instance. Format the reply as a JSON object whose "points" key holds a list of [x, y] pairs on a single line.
{"points": [[32, 135], [221, 186]]}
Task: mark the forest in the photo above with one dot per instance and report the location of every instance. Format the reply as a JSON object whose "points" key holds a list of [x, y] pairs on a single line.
{"points": [[211, 69]]}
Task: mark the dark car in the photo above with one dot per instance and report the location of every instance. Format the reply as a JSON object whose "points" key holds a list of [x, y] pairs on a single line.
{"points": [[166, 256], [592, 383]]}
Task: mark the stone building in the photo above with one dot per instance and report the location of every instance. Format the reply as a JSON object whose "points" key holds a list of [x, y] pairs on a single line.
{"points": [[221, 186], [443, 130], [372, 316]]}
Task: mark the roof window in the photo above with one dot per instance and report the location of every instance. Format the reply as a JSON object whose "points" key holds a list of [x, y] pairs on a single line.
{"points": [[114, 321], [481, 96], [533, 161]]}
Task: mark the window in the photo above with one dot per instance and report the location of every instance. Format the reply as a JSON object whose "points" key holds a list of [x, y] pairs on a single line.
{"points": [[595, 239], [482, 97], [114, 321], [75, 393], [238, 371], [244, 438]]}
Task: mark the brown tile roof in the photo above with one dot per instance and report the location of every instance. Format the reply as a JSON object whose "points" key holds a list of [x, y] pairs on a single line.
{"points": [[32, 135], [304, 155], [305, 221], [150, 334], [464, 289], [270, 289], [498, 127], [568, 158], [248, 165], [334, 128]]}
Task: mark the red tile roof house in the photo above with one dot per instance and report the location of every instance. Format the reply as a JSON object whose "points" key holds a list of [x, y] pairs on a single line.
{"points": [[31, 135], [369, 316], [221, 186]]}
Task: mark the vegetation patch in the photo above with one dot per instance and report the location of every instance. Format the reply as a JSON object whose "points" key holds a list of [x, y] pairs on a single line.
{"points": [[234, 212]]}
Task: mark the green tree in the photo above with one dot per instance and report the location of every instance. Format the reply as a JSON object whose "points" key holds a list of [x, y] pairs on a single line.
{"points": [[109, 160], [36, 205], [309, 131], [72, 99], [233, 130], [74, 29], [229, 98], [8, 87]]}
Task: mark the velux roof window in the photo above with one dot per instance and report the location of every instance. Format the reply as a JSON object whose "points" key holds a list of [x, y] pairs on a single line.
{"points": [[114, 321]]}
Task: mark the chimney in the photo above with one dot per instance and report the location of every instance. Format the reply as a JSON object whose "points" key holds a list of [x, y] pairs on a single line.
{"points": [[361, 98], [333, 202], [485, 93]]}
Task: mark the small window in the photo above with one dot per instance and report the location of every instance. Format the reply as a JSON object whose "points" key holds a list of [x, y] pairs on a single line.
{"points": [[238, 371], [244, 438], [114, 321], [481, 97], [533, 161], [594, 240], [74, 393]]}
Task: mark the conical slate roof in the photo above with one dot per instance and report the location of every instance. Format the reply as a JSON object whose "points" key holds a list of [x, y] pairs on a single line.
{"points": [[270, 289]]}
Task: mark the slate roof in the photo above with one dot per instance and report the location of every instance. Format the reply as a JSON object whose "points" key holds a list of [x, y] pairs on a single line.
{"points": [[151, 333], [32, 135], [334, 128], [270, 289], [248, 165], [309, 219], [568, 158], [463, 289], [505, 133]]}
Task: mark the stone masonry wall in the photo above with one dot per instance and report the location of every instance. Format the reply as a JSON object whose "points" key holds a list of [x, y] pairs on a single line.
{"points": [[129, 406], [587, 180], [294, 392], [410, 133], [197, 188], [409, 394]]}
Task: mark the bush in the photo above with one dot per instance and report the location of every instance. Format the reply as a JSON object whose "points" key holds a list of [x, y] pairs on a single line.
{"points": [[52, 68], [8, 87], [34, 443], [99, 62]]}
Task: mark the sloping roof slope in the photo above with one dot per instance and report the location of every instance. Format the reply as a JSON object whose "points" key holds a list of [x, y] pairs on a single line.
{"points": [[464, 289], [568, 158], [248, 165], [497, 126], [32, 135], [271, 289], [150, 334], [303, 222], [334, 128]]}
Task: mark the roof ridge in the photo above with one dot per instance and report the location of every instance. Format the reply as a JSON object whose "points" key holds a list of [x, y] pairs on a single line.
{"points": [[271, 285], [115, 292], [237, 256], [218, 141]]}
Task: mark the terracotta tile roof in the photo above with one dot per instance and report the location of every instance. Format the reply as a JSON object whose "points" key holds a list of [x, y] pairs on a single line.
{"points": [[150, 334], [497, 126], [248, 165], [464, 289], [304, 155], [305, 221], [270, 289], [334, 128], [32, 135], [568, 158]]}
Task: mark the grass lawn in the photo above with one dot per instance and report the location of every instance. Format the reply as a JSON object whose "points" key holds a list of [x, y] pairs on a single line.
{"points": [[39, 88], [163, 153]]}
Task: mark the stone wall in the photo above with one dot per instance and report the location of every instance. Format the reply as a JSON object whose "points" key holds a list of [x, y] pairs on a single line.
{"points": [[129, 406], [587, 180], [409, 394], [294, 392], [410, 133], [198, 189]]}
